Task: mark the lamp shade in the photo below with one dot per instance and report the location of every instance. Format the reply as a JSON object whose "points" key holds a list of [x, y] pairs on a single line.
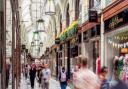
{"points": [[50, 7]]}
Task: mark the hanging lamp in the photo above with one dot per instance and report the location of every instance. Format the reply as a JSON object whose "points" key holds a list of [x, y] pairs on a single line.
{"points": [[41, 26], [50, 7], [41, 44], [32, 43]]}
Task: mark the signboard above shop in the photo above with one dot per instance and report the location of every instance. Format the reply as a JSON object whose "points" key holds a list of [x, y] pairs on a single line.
{"points": [[93, 16], [116, 21]]}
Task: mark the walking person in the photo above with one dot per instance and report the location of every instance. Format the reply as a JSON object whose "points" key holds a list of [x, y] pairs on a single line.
{"points": [[46, 76], [103, 78], [63, 78], [85, 78], [32, 74], [39, 74], [26, 71], [76, 69]]}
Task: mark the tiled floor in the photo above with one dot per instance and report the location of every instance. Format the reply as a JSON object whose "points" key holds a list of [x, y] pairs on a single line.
{"points": [[25, 84]]}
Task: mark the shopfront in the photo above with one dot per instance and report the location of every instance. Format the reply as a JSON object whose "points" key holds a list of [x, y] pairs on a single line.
{"points": [[116, 43], [66, 45], [91, 40]]}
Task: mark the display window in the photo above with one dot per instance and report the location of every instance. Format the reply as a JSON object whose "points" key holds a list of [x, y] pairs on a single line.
{"points": [[116, 53]]}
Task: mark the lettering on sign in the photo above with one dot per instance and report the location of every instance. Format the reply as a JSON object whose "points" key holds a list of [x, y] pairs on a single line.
{"points": [[115, 21]]}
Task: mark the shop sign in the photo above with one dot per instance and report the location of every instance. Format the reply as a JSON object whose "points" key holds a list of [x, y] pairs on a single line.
{"points": [[116, 21], [93, 17]]}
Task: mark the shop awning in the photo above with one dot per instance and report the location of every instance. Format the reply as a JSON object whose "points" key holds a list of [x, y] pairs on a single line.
{"points": [[69, 32]]}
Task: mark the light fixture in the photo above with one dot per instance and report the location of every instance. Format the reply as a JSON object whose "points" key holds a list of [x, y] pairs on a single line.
{"points": [[10, 43], [41, 44], [50, 7], [32, 43], [41, 26]]}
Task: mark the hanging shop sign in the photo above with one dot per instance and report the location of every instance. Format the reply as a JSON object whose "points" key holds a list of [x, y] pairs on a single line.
{"points": [[116, 21], [69, 32], [93, 16]]}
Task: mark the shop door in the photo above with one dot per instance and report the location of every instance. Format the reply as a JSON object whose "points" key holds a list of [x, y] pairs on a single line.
{"points": [[95, 53]]}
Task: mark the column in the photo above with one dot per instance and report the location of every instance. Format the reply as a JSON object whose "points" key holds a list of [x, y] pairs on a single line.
{"points": [[84, 10], [82, 45], [102, 50], [1, 13], [68, 59], [2, 44]]}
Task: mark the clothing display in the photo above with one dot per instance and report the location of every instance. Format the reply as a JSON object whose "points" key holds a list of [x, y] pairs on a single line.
{"points": [[98, 65], [121, 68]]}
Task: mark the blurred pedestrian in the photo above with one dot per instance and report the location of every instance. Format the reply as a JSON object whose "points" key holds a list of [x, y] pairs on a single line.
{"points": [[63, 78], [26, 71], [46, 76], [103, 78], [32, 74], [76, 69], [120, 85], [39, 74], [85, 78]]}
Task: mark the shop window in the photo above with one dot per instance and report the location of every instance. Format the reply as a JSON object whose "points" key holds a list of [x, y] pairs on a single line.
{"points": [[79, 38], [79, 50], [86, 36], [60, 55], [91, 4], [95, 31], [74, 51], [61, 47], [108, 2], [80, 10]]}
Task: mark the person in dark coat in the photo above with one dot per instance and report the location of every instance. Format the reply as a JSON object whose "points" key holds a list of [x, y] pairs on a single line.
{"points": [[103, 76], [32, 74], [120, 85]]}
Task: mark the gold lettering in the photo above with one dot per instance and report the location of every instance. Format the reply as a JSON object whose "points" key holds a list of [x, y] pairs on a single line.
{"points": [[115, 21]]}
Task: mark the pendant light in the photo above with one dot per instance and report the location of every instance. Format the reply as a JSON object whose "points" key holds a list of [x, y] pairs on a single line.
{"points": [[50, 7], [41, 26]]}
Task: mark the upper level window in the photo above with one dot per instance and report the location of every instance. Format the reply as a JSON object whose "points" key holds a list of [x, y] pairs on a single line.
{"points": [[77, 9], [108, 2], [91, 4], [67, 17], [60, 23]]}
